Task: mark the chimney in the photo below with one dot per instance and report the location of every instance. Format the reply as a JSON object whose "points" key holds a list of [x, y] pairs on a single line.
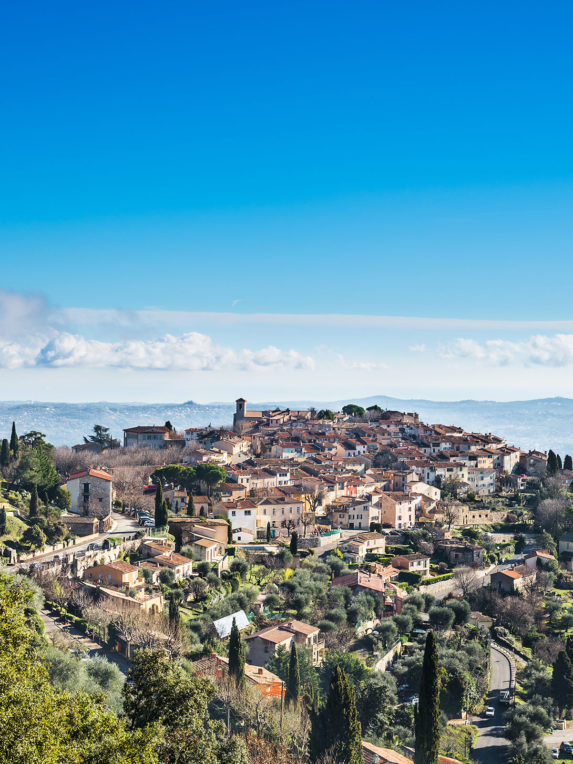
{"points": [[260, 671]]}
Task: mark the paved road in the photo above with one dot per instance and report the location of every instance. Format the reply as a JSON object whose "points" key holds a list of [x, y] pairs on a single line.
{"points": [[123, 524], [491, 747]]}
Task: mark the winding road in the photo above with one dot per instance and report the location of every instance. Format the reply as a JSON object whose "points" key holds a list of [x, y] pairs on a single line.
{"points": [[491, 746]]}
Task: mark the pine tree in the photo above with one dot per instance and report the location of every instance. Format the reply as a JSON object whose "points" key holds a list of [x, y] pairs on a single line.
{"points": [[428, 716], [268, 533], [34, 502], [551, 463], [568, 462], [191, 506], [336, 730], [293, 680], [5, 453], [159, 506], [294, 543], [2, 521], [236, 656], [562, 682], [14, 442]]}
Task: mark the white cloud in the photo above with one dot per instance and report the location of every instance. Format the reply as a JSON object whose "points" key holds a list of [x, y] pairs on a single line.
{"points": [[542, 350], [189, 352], [21, 314], [155, 317], [421, 348]]}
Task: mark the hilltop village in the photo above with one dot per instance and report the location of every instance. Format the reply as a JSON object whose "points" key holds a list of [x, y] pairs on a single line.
{"points": [[294, 563]]}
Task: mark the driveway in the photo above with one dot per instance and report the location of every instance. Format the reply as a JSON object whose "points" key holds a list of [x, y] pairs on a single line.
{"points": [[491, 746]]}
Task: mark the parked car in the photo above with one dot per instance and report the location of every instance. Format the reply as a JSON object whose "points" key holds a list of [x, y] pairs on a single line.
{"points": [[149, 524], [555, 753], [565, 748], [92, 546], [490, 711]]}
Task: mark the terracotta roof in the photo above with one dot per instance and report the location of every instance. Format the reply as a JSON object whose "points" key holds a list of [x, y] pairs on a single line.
{"points": [[358, 578], [206, 543], [373, 753], [91, 473], [511, 574], [172, 559], [149, 428]]}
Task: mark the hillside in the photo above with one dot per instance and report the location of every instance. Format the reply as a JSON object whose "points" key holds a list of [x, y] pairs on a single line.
{"points": [[543, 423]]}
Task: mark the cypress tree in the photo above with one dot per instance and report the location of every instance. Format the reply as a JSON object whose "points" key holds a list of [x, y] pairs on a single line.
{"points": [[551, 463], [34, 502], [294, 543], [14, 442], [568, 463], [236, 656], [2, 521], [569, 647], [562, 682], [164, 514], [5, 453], [559, 463], [428, 716], [268, 532], [293, 680], [229, 533], [202, 512], [159, 506], [174, 614], [336, 730], [191, 506]]}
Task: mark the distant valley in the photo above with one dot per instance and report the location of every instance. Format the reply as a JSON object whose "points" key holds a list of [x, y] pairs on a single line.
{"points": [[543, 423]]}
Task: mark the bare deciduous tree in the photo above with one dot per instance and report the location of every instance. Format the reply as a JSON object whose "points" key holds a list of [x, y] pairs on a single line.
{"points": [[549, 514], [467, 579]]}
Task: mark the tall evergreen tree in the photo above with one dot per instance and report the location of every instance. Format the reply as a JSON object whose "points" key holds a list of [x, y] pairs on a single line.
{"points": [[14, 442], [2, 521], [5, 453], [559, 463], [174, 613], [269, 536], [293, 680], [562, 682], [569, 647], [229, 533], [164, 514], [568, 462], [336, 729], [236, 656], [551, 463], [428, 716], [294, 543], [159, 506], [34, 502], [191, 505]]}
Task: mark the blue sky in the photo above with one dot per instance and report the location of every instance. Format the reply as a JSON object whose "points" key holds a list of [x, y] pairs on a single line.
{"points": [[217, 172]]}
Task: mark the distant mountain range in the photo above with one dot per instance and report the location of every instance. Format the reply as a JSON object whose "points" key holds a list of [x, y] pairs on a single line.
{"points": [[543, 423]]}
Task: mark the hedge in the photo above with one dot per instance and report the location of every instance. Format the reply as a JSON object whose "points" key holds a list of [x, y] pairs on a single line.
{"points": [[410, 578], [435, 579]]}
